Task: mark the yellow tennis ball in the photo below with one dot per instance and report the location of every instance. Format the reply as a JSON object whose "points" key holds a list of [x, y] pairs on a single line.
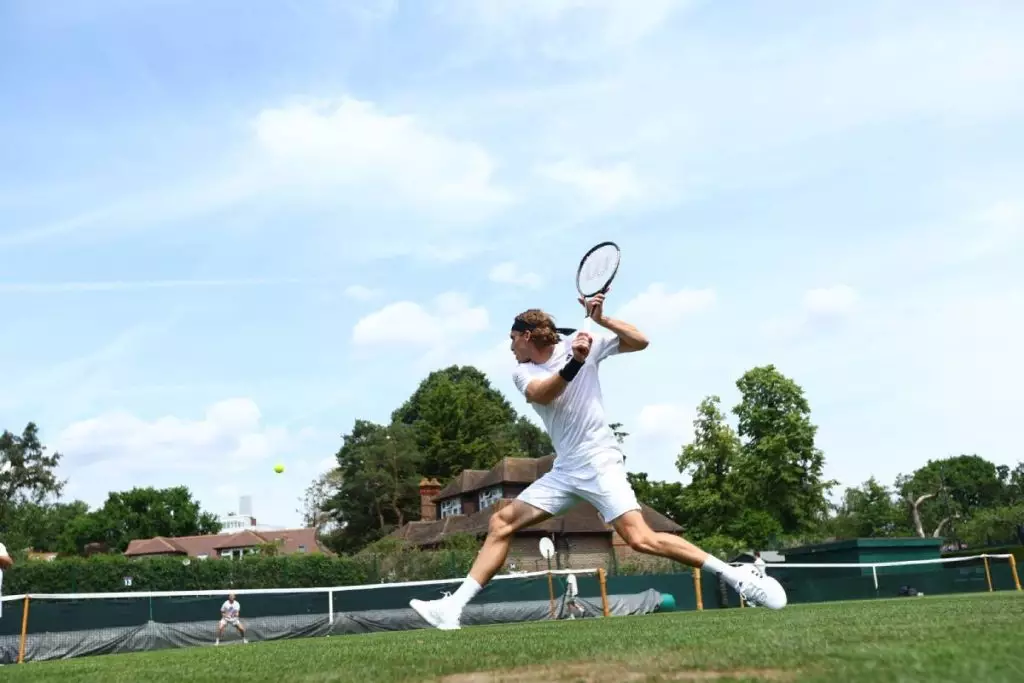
{"points": [[279, 468]]}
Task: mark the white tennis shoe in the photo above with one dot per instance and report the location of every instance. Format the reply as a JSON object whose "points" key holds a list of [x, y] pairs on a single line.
{"points": [[442, 614], [759, 589]]}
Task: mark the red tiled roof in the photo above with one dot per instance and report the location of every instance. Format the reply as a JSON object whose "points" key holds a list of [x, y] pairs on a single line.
{"points": [[582, 518], [211, 545], [508, 471]]}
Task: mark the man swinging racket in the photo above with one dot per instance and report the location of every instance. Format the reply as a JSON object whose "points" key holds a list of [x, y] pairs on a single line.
{"points": [[560, 379]]}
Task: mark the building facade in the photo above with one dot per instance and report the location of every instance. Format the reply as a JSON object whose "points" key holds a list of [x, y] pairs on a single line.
{"points": [[464, 506]]}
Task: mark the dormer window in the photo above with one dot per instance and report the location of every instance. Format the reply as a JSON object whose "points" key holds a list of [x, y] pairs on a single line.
{"points": [[490, 496], [452, 506]]}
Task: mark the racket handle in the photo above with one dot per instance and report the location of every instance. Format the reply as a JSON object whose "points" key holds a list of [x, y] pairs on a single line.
{"points": [[586, 324]]}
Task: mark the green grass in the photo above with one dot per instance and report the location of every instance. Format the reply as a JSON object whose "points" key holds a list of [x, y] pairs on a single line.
{"points": [[956, 638]]}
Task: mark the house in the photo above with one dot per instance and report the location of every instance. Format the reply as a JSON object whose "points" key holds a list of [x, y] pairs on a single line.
{"points": [[232, 545], [465, 506]]}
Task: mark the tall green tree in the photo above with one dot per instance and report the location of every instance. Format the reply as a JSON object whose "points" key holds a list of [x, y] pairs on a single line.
{"points": [[664, 496], [781, 468], [870, 510], [27, 472], [142, 512], [39, 526], [461, 422], [948, 491], [379, 469], [712, 502]]}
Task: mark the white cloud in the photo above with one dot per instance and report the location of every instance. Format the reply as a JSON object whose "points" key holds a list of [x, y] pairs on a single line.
{"points": [[603, 188], [820, 308], [361, 293], [509, 273], [830, 301], [665, 420], [383, 157], [227, 452], [564, 29], [657, 306], [409, 323], [230, 435]]}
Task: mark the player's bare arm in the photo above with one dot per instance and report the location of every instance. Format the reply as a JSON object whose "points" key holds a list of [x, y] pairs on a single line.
{"points": [[630, 338], [544, 391]]}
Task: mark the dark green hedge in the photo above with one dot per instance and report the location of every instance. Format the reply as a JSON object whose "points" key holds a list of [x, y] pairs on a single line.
{"points": [[106, 573]]}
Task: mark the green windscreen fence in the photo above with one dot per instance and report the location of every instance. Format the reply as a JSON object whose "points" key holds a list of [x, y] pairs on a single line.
{"points": [[59, 626]]}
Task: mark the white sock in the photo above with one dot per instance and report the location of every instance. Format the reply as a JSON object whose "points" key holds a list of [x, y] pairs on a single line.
{"points": [[717, 566], [466, 592]]}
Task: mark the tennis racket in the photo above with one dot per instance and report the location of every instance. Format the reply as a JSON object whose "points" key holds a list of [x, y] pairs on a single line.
{"points": [[598, 268]]}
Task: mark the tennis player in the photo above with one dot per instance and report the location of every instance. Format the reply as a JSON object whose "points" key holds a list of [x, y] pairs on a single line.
{"points": [[559, 378], [230, 613]]}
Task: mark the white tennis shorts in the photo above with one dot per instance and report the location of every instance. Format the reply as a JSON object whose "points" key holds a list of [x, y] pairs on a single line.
{"points": [[228, 621], [606, 488]]}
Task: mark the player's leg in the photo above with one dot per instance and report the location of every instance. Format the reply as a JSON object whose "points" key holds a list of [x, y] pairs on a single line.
{"points": [[616, 501], [220, 631], [241, 630], [543, 499]]}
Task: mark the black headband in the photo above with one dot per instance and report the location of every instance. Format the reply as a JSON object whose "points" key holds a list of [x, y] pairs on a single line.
{"points": [[519, 325]]}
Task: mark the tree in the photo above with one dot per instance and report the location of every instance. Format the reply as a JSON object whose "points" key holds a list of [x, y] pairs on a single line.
{"points": [[461, 422], [664, 496], [620, 435], [139, 513], [27, 473], [711, 502], [314, 511], [995, 526], [781, 469], [379, 469], [949, 489], [867, 511], [39, 526]]}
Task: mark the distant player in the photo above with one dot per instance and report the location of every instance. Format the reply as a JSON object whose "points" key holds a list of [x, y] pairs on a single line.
{"points": [[559, 379], [572, 590], [5, 563], [229, 615], [759, 563]]}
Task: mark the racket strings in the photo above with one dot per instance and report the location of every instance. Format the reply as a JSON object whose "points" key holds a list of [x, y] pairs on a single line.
{"points": [[595, 271]]}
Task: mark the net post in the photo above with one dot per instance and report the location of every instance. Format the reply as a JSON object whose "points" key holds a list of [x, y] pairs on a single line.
{"points": [[24, 631], [988, 573], [551, 594], [697, 589], [330, 607], [604, 591], [874, 576], [1013, 570]]}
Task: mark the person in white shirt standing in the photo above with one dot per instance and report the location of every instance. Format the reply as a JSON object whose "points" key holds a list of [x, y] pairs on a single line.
{"points": [[759, 563], [559, 378], [229, 615], [572, 590], [5, 563]]}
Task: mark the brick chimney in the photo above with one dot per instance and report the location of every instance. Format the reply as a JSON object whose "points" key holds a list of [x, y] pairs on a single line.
{"points": [[428, 490]]}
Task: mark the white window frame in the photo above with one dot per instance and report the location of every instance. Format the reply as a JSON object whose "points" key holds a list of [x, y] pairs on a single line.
{"points": [[490, 496], [452, 506]]}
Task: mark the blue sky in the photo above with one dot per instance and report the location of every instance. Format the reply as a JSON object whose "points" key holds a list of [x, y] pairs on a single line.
{"points": [[229, 229]]}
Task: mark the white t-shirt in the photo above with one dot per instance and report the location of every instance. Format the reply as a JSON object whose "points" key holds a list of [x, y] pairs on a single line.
{"points": [[230, 609], [575, 420], [3, 553], [759, 565], [572, 590]]}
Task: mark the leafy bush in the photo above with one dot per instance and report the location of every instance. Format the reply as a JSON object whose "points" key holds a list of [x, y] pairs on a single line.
{"points": [[107, 573]]}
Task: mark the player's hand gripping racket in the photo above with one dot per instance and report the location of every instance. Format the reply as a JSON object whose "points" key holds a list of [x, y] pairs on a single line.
{"points": [[598, 268]]}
